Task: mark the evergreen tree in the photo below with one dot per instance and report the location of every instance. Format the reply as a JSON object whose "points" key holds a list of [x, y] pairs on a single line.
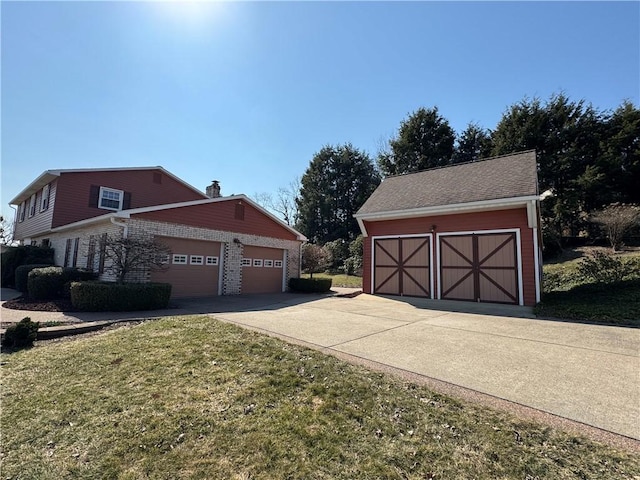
{"points": [[474, 143], [337, 182], [425, 140]]}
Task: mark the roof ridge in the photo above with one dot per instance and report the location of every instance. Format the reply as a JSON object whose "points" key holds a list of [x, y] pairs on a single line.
{"points": [[495, 157]]}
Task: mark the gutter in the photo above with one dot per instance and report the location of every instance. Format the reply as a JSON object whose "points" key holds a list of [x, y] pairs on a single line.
{"points": [[485, 205]]}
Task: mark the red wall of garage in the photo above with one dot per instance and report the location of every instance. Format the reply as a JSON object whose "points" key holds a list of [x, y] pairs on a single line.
{"points": [[500, 219], [221, 215]]}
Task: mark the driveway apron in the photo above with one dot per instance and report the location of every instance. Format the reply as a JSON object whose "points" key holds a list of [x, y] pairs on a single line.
{"points": [[586, 373]]}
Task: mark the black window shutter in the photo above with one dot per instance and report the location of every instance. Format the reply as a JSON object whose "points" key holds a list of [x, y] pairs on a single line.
{"points": [[76, 245], [126, 201], [67, 252], [94, 193]]}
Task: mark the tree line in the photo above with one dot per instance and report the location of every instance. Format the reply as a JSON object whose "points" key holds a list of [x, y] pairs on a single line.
{"points": [[588, 158]]}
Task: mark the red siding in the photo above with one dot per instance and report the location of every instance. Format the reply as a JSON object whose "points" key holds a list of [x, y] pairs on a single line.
{"points": [[72, 196], [502, 219], [221, 215]]}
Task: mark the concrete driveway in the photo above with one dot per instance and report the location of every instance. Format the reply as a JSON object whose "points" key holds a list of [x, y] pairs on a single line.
{"points": [[586, 373]]}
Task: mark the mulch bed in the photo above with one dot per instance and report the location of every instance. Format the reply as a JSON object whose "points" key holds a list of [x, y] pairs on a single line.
{"points": [[59, 305]]}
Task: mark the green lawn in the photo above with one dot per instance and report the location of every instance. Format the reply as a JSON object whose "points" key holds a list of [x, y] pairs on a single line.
{"points": [[568, 296], [339, 280], [193, 398]]}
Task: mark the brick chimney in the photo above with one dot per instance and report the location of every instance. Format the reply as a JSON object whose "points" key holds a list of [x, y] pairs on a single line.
{"points": [[213, 190]]}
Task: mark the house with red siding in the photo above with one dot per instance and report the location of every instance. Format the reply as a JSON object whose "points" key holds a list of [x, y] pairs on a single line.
{"points": [[463, 232], [220, 245]]}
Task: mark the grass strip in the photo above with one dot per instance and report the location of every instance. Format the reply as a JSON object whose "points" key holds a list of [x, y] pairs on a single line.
{"points": [[615, 303], [194, 398]]}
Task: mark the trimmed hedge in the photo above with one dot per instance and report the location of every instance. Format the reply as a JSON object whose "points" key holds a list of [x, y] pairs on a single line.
{"points": [[22, 276], [54, 282], [310, 285], [119, 297]]}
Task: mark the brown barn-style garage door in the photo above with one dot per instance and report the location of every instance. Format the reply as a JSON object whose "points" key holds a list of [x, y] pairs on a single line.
{"points": [[262, 270], [479, 267], [193, 268], [402, 266]]}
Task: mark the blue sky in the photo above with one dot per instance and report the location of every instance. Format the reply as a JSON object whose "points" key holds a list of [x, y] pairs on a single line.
{"points": [[247, 92]]}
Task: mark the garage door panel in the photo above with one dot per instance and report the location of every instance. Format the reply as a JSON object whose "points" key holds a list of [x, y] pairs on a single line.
{"points": [[387, 252], [479, 267], [496, 250], [415, 252], [415, 282], [190, 280], [264, 274], [494, 286], [387, 280], [402, 266], [457, 284]]}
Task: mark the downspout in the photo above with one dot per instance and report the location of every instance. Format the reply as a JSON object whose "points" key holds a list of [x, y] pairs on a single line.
{"points": [[15, 223], [123, 225]]}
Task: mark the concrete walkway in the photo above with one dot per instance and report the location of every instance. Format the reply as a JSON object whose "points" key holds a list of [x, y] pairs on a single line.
{"points": [[586, 373]]}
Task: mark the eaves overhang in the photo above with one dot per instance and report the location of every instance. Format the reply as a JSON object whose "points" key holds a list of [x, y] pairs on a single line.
{"points": [[484, 205], [46, 177]]}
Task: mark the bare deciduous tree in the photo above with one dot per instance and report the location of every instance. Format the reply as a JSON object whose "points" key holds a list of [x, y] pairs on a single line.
{"points": [[283, 204], [6, 231], [617, 219], [133, 255]]}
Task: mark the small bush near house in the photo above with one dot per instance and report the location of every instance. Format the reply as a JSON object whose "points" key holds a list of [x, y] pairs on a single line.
{"points": [[54, 282], [310, 285], [602, 267], [22, 276], [13, 257], [119, 297], [21, 335]]}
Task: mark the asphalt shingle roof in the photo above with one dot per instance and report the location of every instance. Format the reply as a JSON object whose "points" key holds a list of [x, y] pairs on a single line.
{"points": [[506, 176]]}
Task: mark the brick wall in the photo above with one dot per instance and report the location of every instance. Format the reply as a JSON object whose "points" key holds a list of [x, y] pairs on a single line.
{"points": [[233, 250]]}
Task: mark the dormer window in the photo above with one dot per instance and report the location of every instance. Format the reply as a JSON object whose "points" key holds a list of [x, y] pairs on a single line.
{"points": [[110, 199]]}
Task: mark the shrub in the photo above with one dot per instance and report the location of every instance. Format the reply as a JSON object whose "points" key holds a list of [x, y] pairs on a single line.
{"points": [[310, 285], [602, 267], [21, 335], [54, 282], [13, 257], [45, 283], [118, 297], [22, 276]]}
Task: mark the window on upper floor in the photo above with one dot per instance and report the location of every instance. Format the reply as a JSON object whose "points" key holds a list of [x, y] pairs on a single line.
{"points": [[110, 199], [21, 211], [32, 205], [44, 201]]}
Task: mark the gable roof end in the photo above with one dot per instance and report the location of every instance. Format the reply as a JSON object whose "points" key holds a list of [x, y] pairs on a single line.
{"points": [[505, 177], [48, 175]]}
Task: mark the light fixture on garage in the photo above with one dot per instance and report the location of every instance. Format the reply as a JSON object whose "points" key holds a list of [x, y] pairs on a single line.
{"points": [[237, 240], [433, 228]]}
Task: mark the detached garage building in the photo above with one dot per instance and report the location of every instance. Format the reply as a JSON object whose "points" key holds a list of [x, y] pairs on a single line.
{"points": [[464, 232]]}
